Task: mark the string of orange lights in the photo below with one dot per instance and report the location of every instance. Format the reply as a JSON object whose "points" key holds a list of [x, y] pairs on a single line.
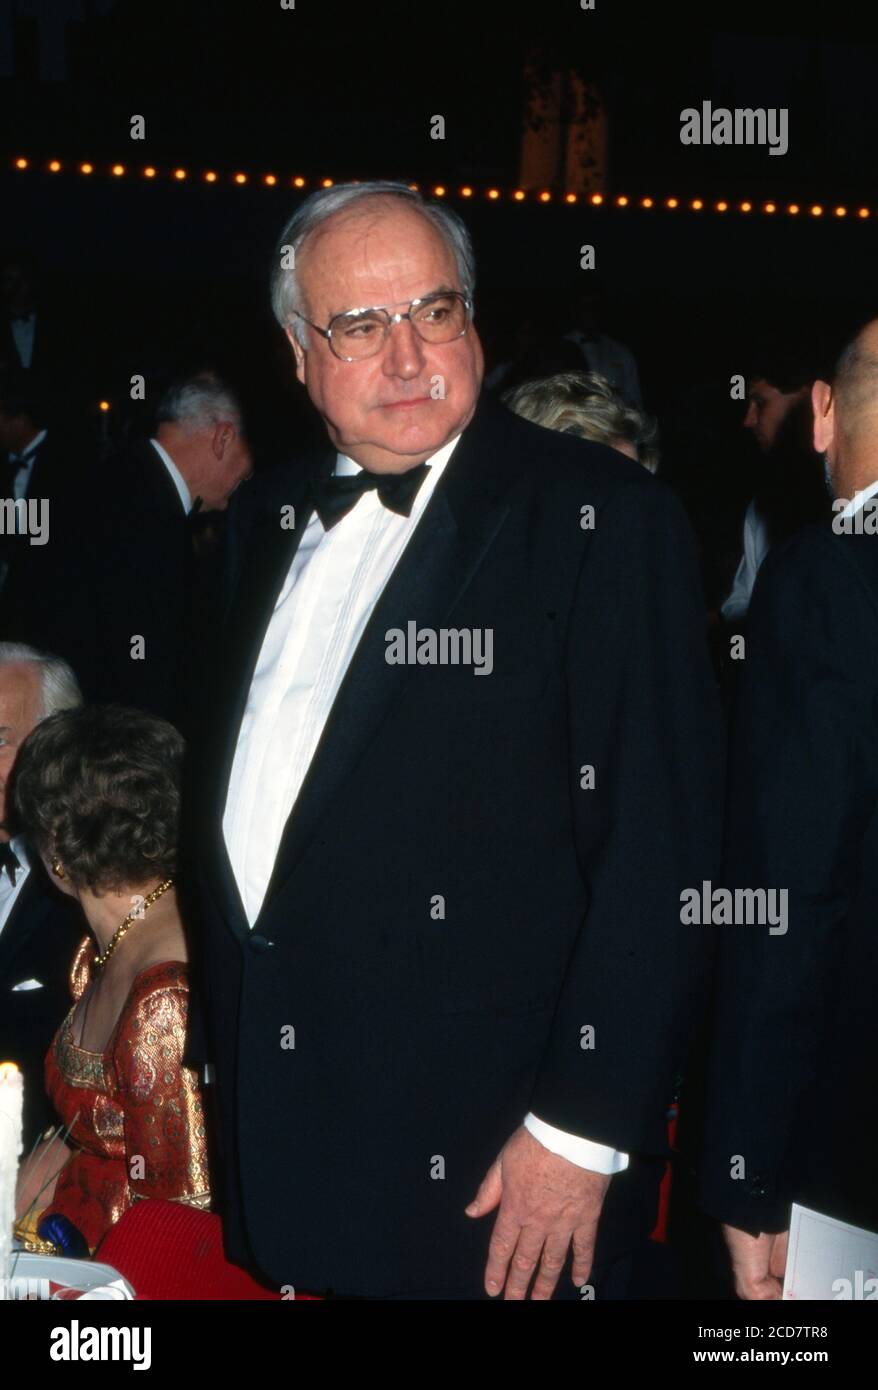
{"points": [[465, 191]]}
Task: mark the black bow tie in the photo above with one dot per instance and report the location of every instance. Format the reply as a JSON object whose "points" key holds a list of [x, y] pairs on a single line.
{"points": [[334, 497], [9, 861]]}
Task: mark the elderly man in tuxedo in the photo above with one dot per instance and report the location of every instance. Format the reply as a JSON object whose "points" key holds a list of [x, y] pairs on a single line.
{"points": [[39, 930], [196, 458], [131, 609], [462, 770], [792, 1112]]}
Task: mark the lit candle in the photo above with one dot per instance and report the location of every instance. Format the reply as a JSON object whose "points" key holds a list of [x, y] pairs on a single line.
{"points": [[11, 1091]]}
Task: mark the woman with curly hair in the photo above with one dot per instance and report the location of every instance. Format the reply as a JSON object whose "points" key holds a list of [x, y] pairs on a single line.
{"points": [[97, 790]]}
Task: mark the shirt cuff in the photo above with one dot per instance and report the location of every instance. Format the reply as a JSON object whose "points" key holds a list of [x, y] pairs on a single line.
{"points": [[585, 1154]]}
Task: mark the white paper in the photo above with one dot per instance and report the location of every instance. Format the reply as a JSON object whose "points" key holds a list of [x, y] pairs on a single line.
{"points": [[827, 1260]]}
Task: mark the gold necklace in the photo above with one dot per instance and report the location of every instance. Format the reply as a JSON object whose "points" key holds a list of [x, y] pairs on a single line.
{"points": [[132, 917]]}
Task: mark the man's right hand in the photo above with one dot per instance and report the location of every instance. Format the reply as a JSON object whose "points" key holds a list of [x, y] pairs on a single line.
{"points": [[758, 1262]]}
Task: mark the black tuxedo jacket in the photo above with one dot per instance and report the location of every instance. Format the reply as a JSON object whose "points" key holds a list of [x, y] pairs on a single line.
{"points": [[421, 1040], [129, 576], [792, 1079], [38, 942], [35, 575], [65, 359], [51, 356]]}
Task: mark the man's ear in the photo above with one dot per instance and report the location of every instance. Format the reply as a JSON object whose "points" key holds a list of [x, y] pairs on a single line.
{"points": [[823, 404], [298, 353], [223, 435]]}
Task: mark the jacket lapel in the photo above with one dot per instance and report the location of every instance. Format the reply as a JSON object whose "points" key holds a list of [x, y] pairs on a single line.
{"points": [[270, 552], [457, 528], [26, 917]]}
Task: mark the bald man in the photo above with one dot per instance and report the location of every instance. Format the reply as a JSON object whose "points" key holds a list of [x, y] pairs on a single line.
{"points": [[436, 1122], [792, 1113]]}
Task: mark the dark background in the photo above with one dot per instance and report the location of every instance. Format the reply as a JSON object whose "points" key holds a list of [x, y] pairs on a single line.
{"points": [[151, 275]]}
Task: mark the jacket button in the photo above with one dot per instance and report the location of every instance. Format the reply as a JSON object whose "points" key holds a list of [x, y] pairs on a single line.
{"points": [[259, 944]]}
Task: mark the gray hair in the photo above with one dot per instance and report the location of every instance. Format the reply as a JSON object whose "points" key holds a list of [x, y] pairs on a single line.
{"points": [[585, 404], [59, 688], [198, 403], [286, 292]]}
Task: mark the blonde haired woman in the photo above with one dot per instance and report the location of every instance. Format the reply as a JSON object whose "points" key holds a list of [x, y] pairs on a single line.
{"points": [[585, 404]]}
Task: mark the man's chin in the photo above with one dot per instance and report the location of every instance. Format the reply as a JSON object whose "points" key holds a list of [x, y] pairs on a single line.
{"points": [[396, 450]]}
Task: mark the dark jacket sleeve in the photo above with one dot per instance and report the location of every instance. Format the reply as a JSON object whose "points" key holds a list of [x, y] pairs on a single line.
{"points": [[803, 783], [139, 593], [238, 524], [643, 713]]}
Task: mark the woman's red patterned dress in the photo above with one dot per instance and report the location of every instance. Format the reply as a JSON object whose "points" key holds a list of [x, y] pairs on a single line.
{"points": [[135, 1110]]}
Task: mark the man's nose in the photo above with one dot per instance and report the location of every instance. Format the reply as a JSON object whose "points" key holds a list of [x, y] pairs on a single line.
{"points": [[403, 350], [749, 421]]}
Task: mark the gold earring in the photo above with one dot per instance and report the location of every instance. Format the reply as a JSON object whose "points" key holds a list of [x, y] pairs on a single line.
{"points": [[57, 867]]}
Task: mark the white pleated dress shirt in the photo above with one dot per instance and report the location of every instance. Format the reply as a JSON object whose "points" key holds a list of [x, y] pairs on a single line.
{"points": [[334, 581], [9, 892], [23, 333], [175, 476], [24, 465], [756, 545]]}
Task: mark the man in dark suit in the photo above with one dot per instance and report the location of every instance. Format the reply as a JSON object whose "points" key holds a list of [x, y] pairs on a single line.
{"points": [[41, 334], [25, 341], [127, 620], [43, 490], [792, 1107], [461, 770], [39, 930]]}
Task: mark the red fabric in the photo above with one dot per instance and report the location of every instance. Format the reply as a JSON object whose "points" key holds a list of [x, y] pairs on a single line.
{"points": [[660, 1230], [167, 1250], [137, 1124]]}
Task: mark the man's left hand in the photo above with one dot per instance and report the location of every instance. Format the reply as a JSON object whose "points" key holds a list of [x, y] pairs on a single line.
{"points": [[545, 1202], [758, 1263]]}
